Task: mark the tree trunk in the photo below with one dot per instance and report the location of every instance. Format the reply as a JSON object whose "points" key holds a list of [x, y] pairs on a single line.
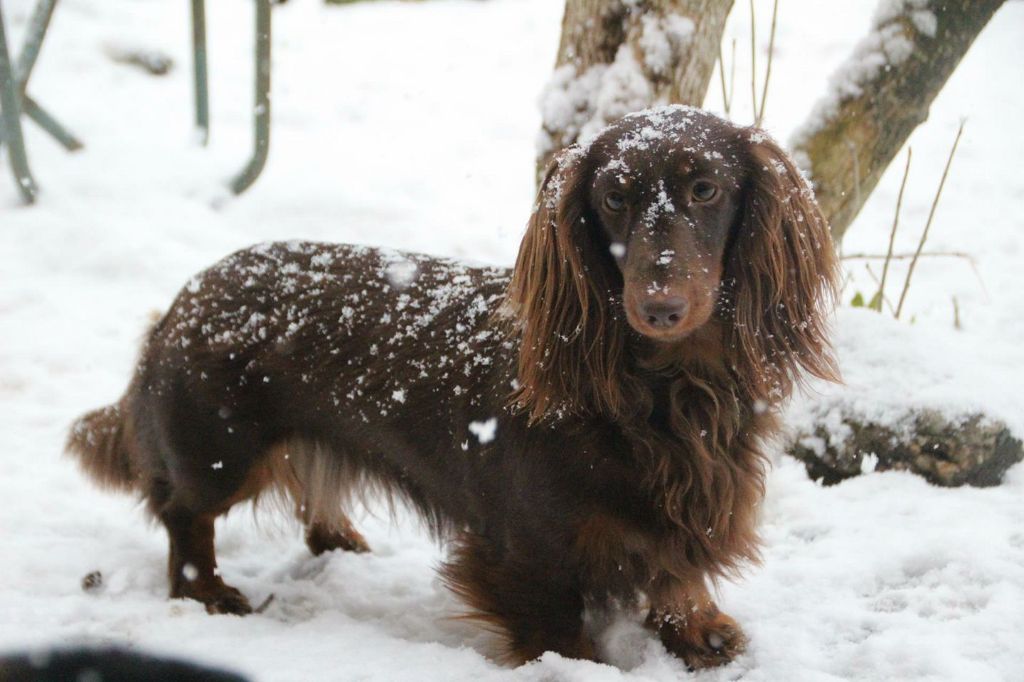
{"points": [[880, 95], [618, 56]]}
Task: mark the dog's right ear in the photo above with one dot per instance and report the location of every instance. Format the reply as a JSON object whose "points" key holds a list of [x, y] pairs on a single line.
{"points": [[569, 344]]}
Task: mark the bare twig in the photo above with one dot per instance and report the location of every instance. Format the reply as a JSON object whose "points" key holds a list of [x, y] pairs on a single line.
{"points": [[768, 68], [904, 256], [721, 76], [895, 225], [981, 281], [874, 277], [881, 297], [266, 602], [956, 315], [753, 58], [928, 224], [846, 283], [732, 73], [928, 254]]}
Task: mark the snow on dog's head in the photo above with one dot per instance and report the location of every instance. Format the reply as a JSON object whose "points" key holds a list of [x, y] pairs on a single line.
{"points": [[680, 224]]}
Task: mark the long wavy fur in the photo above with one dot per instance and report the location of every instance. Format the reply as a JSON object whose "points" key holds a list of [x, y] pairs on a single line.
{"points": [[779, 286], [578, 355]]}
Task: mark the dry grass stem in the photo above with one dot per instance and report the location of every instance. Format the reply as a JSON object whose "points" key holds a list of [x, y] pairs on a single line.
{"points": [[928, 224], [846, 282], [732, 73], [895, 225], [905, 256], [878, 299], [768, 68], [726, 89], [753, 58], [721, 77]]}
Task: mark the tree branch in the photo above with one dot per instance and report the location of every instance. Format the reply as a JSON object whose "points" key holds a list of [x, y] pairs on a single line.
{"points": [[880, 95]]}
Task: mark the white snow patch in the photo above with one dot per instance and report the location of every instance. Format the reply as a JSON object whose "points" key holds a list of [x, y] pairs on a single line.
{"points": [[401, 273], [485, 430], [583, 104], [663, 39]]}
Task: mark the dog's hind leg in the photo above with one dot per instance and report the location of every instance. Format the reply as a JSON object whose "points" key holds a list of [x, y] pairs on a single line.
{"points": [[187, 510], [318, 482], [341, 534], [192, 567]]}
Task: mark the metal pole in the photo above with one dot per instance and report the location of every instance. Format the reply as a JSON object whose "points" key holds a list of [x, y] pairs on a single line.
{"points": [[261, 112], [11, 122], [51, 125], [37, 27], [202, 92], [35, 33]]}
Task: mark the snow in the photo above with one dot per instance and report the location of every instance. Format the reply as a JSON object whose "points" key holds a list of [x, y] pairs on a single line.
{"points": [[952, 377], [663, 37], [394, 137], [585, 103], [484, 430]]}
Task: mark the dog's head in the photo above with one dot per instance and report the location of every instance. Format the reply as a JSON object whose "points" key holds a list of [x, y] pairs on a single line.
{"points": [[668, 220], [664, 191]]}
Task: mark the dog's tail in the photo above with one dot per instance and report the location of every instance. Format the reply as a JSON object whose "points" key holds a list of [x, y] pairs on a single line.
{"points": [[100, 440]]}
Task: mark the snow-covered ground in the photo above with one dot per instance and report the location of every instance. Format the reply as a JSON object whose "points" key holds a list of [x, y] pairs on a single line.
{"points": [[412, 125]]}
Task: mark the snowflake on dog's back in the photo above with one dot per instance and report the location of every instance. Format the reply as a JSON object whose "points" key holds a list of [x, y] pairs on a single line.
{"points": [[308, 302]]}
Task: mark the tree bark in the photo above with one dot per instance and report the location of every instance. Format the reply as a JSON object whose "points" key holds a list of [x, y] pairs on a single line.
{"points": [[618, 56], [972, 450], [880, 95]]}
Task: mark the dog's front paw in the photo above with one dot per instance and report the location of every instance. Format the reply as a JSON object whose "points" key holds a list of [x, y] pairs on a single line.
{"points": [[703, 639], [230, 601], [216, 596]]}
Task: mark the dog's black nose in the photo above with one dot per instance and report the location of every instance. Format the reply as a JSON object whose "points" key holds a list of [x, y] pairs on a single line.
{"points": [[664, 313]]}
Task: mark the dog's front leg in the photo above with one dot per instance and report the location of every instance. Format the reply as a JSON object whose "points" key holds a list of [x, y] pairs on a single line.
{"points": [[690, 625]]}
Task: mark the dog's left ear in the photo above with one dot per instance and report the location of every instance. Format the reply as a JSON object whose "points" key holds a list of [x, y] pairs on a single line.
{"points": [[780, 277]]}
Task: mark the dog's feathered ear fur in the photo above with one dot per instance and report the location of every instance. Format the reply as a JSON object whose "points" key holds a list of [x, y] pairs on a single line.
{"points": [[780, 278], [570, 343]]}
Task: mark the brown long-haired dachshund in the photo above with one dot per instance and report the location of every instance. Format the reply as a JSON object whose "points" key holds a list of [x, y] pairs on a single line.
{"points": [[585, 430]]}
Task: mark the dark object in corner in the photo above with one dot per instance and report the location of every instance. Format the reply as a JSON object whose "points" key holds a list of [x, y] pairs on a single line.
{"points": [[972, 450], [109, 665]]}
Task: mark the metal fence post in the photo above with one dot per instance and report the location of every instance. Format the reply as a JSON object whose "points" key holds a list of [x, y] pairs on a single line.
{"points": [[261, 111], [11, 122], [202, 91]]}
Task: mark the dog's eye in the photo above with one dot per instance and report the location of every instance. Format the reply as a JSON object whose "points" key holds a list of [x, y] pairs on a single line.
{"points": [[614, 201], [703, 191]]}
